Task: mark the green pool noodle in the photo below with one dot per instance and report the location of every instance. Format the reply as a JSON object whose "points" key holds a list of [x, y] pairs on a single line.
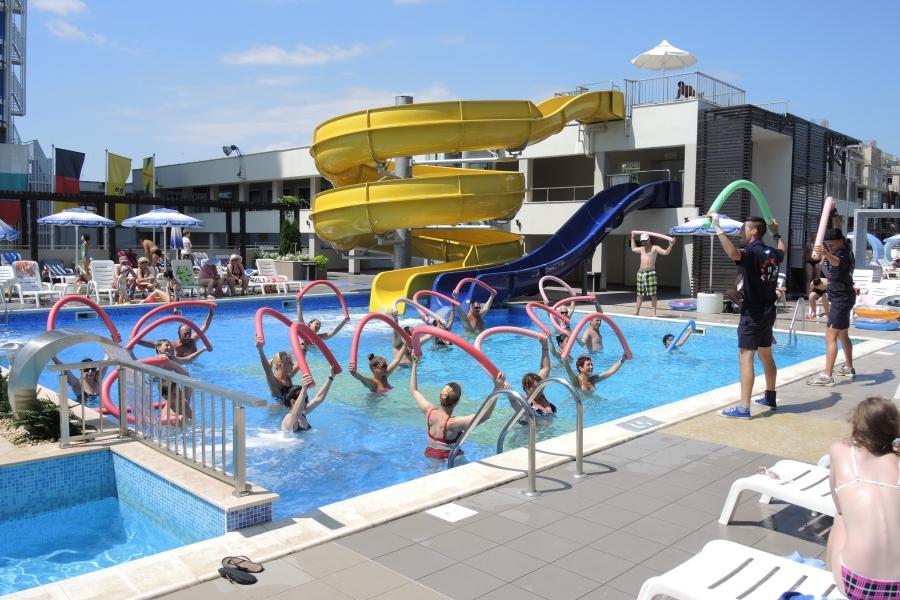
{"points": [[741, 184]]}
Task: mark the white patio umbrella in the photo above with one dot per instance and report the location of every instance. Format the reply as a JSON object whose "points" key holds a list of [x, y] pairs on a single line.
{"points": [[695, 227], [663, 57], [77, 217], [889, 244], [163, 217], [7, 232]]}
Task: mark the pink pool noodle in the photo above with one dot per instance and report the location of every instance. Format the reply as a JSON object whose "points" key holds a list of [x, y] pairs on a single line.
{"points": [[587, 319], [823, 225], [354, 345], [327, 284], [554, 315], [656, 235], [508, 329], [169, 319], [169, 306], [51, 317], [457, 341]]}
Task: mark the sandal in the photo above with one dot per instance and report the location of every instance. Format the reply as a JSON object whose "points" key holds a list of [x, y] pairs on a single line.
{"points": [[237, 576], [242, 563]]}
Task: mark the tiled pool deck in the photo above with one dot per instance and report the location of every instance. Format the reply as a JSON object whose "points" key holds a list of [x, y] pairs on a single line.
{"points": [[646, 505]]}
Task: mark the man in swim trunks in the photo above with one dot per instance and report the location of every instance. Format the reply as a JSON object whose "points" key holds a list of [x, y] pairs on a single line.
{"points": [[759, 266], [185, 349], [646, 275], [839, 266]]}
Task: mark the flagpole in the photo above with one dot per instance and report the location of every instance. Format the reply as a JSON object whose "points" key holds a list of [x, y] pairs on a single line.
{"points": [[153, 195], [106, 191], [52, 188]]}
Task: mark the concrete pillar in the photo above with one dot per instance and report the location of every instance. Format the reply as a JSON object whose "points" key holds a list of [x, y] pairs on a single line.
{"points": [[315, 186], [353, 265], [277, 189], [243, 192], [403, 169], [599, 171], [525, 170]]}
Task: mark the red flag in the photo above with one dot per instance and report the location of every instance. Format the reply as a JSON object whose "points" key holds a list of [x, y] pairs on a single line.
{"points": [[68, 171]]}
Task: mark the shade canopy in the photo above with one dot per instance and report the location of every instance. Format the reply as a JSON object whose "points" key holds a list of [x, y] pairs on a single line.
{"points": [[77, 217], [889, 244], [7, 232], [163, 217], [696, 227], [663, 57]]}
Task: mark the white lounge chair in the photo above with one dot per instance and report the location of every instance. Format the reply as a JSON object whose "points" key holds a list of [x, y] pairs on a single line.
{"points": [[888, 270], [798, 483], [862, 280], [28, 282], [103, 280], [266, 268], [725, 569], [184, 274], [7, 281]]}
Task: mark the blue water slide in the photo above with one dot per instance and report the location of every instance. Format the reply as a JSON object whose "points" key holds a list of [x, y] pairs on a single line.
{"points": [[564, 252]]}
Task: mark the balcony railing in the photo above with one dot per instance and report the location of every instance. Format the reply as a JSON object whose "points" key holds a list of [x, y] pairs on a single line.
{"points": [[575, 193], [642, 177], [695, 86]]}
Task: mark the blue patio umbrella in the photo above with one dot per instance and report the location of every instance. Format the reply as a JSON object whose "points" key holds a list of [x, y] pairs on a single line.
{"points": [[7, 232], [875, 243], [163, 217], [696, 227], [889, 244], [76, 217]]}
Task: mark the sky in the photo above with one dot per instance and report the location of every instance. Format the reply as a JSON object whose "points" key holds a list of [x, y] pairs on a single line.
{"points": [[183, 78]]}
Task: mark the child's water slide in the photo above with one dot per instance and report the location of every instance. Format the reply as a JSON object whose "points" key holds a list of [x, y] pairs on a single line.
{"points": [[354, 152], [564, 252]]}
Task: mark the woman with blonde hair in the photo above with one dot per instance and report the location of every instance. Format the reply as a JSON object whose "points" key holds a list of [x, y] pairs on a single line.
{"points": [[864, 546], [278, 370]]}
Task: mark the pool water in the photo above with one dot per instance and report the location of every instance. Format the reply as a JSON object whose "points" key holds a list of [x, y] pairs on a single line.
{"points": [[362, 441]]}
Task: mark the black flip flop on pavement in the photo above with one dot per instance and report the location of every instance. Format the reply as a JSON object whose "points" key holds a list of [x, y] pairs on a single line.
{"points": [[237, 576]]}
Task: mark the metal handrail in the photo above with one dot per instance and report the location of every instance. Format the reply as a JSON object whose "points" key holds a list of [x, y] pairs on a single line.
{"points": [[573, 188], [630, 174], [194, 419], [579, 420], [524, 409], [792, 331]]}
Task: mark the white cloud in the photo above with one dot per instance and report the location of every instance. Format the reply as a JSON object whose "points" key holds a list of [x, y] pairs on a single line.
{"points": [[280, 81], [65, 30], [300, 56], [452, 40], [59, 7], [69, 31]]}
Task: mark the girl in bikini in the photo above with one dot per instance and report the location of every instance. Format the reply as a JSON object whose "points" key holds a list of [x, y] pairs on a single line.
{"points": [[863, 549], [585, 378], [540, 404], [278, 371], [380, 368], [300, 405], [443, 428]]}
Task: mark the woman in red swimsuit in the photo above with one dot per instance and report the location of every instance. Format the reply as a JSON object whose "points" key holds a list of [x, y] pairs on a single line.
{"points": [[443, 428]]}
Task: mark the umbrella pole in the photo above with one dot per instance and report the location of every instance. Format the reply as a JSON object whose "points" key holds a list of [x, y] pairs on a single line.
{"points": [[711, 262], [76, 251]]}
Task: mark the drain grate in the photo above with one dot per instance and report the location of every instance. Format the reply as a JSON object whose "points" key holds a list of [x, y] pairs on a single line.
{"points": [[288, 304], [81, 316], [639, 423]]}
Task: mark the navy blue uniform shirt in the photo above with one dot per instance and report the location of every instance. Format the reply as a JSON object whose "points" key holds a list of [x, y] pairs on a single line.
{"points": [[759, 267]]}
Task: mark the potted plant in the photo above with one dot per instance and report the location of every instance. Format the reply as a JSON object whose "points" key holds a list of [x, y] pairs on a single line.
{"points": [[321, 262]]}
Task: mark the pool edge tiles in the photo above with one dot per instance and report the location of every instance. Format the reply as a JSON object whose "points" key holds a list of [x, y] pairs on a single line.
{"points": [[199, 562]]}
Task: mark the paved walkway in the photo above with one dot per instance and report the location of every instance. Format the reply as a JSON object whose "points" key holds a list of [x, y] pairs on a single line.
{"points": [[644, 507]]}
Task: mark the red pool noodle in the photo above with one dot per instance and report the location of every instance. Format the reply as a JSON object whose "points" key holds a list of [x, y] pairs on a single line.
{"points": [[423, 311], [164, 307], [443, 297], [551, 278], [354, 346], [169, 319], [554, 315], [258, 320], [508, 329], [300, 330], [106, 402], [486, 364], [587, 319], [327, 284], [474, 281], [51, 317]]}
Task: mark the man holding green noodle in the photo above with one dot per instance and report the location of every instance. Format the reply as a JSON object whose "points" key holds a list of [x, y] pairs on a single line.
{"points": [[759, 266]]}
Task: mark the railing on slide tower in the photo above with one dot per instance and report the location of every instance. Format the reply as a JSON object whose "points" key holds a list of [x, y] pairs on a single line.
{"points": [[696, 86], [197, 423]]}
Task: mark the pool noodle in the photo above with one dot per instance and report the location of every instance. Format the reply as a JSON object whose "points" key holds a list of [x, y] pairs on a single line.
{"points": [[823, 225], [164, 307], [554, 315], [443, 297], [690, 324], [573, 299], [587, 319], [327, 284], [309, 336], [741, 184], [557, 280], [654, 234], [354, 345], [168, 319], [473, 281], [105, 400], [486, 364], [423, 311], [508, 329], [51, 317], [258, 320]]}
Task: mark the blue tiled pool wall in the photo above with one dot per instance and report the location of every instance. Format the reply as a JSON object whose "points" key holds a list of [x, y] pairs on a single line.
{"points": [[50, 484], [185, 515], [248, 517]]}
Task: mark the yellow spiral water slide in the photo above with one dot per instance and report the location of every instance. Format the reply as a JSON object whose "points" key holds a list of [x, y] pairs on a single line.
{"points": [[354, 152]]}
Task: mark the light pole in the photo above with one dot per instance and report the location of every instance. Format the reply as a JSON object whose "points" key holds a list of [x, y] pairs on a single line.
{"points": [[846, 151], [232, 148]]}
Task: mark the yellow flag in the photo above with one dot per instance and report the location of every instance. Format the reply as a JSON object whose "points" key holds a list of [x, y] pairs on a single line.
{"points": [[148, 177], [117, 170]]}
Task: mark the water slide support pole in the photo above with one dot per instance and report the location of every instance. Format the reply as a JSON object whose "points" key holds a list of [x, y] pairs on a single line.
{"points": [[403, 170]]}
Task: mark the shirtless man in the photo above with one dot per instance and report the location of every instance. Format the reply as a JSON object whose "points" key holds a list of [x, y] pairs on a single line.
{"points": [[150, 248], [473, 319], [591, 338], [646, 275], [185, 349]]}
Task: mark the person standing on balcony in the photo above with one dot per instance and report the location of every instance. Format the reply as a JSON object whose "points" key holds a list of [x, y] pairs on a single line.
{"points": [[646, 275], [759, 266]]}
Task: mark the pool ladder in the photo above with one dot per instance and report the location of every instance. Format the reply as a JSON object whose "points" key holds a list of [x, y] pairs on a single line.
{"points": [[524, 410], [792, 330]]}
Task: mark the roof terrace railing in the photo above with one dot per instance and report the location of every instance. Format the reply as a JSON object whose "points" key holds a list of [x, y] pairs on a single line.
{"points": [[694, 86], [199, 424]]}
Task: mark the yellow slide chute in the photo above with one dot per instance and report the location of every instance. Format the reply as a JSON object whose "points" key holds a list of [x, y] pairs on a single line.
{"points": [[354, 152]]}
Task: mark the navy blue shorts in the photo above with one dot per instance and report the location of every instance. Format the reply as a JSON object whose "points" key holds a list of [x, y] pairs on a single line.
{"points": [[839, 314], [755, 329]]}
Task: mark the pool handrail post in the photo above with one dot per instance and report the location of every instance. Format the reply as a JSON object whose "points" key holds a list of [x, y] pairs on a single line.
{"points": [[123, 404], [63, 411], [239, 449], [792, 333]]}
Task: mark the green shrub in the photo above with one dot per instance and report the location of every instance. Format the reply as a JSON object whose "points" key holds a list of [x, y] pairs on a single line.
{"points": [[5, 408], [42, 423], [290, 238], [321, 260]]}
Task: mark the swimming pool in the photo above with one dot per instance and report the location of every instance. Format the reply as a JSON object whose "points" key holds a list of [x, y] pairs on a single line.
{"points": [[361, 441]]}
